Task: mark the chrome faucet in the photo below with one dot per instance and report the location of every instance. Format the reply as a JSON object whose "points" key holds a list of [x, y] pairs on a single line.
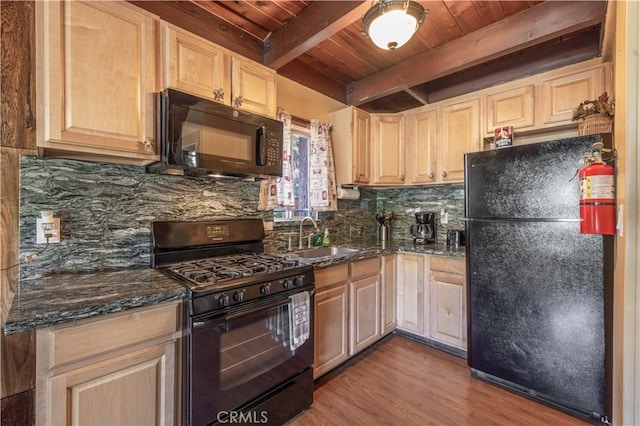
{"points": [[300, 235]]}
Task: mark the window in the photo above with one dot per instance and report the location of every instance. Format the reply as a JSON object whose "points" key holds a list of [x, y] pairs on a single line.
{"points": [[300, 138]]}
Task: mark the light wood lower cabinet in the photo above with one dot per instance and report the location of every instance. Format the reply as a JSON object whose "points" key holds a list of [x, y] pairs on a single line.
{"points": [[348, 314], [388, 294], [331, 318], [432, 297], [119, 369], [364, 304], [411, 295], [448, 306]]}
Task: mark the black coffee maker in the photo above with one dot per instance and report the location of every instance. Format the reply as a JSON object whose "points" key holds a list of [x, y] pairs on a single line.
{"points": [[424, 230]]}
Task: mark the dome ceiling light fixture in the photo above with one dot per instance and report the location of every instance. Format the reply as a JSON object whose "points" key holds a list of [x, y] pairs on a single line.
{"points": [[391, 23]]}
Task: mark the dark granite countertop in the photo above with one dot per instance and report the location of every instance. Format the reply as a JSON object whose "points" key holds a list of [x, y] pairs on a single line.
{"points": [[63, 298], [367, 249]]}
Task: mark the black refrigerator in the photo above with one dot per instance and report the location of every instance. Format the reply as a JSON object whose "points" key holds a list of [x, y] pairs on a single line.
{"points": [[539, 291]]}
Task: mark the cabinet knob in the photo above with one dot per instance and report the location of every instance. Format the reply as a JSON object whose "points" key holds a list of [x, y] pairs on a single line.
{"points": [[402, 178], [237, 101], [218, 94], [432, 176], [148, 144], [444, 175]]}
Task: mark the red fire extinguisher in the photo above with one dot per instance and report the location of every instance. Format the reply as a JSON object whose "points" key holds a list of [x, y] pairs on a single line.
{"points": [[597, 195]]}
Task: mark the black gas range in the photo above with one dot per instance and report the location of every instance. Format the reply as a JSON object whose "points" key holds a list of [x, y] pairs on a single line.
{"points": [[248, 343]]}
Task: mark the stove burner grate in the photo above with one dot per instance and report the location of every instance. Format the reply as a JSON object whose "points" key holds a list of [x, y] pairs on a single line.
{"points": [[219, 269]]}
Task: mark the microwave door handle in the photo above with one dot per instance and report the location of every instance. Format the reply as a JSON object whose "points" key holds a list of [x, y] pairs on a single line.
{"points": [[261, 146]]}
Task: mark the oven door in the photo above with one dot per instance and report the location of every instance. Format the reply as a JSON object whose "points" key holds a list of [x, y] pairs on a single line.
{"points": [[242, 355]]}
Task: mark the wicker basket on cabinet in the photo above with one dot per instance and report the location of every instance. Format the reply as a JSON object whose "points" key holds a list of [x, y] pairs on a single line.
{"points": [[596, 123]]}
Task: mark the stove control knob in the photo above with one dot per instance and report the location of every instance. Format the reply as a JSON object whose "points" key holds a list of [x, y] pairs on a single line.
{"points": [[287, 284], [223, 300], [299, 281], [265, 289], [238, 296]]}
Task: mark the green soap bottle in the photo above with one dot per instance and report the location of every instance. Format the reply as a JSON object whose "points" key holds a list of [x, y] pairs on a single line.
{"points": [[326, 240], [317, 239]]}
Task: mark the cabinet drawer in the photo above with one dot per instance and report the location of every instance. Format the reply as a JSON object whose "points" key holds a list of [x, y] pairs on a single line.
{"points": [[366, 267], [331, 276], [448, 264], [110, 333]]}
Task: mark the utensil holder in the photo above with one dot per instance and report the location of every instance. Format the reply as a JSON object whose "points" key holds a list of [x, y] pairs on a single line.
{"points": [[384, 232]]}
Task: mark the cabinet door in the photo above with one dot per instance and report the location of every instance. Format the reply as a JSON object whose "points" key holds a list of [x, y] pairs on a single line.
{"points": [[388, 292], [422, 158], [253, 87], [96, 79], [131, 389], [330, 329], [364, 298], [388, 145], [195, 65], [117, 369], [411, 300], [514, 107], [459, 134], [448, 307], [561, 95], [361, 134]]}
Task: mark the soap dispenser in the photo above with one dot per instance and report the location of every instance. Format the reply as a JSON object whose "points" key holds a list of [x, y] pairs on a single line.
{"points": [[326, 240], [317, 239]]}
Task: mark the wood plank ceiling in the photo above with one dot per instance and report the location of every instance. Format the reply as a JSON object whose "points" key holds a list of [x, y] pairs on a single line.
{"points": [[463, 45]]}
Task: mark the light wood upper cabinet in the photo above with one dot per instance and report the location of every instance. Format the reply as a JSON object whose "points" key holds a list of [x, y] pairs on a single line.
{"points": [[514, 107], [95, 81], [253, 86], [388, 146], [448, 306], [411, 297], [197, 66], [421, 148], [351, 145], [562, 94], [119, 369], [194, 65], [331, 318], [459, 133]]}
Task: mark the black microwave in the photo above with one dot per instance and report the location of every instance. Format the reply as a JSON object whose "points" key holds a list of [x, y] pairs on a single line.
{"points": [[202, 137]]}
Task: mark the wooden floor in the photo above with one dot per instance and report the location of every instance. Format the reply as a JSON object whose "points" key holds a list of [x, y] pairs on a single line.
{"points": [[403, 382]]}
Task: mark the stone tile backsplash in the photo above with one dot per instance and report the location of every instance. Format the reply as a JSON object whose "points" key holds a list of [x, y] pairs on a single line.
{"points": [[106, 211]]}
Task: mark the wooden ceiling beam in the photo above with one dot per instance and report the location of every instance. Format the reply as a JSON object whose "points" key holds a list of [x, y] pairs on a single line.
{"points": [[319, 21], [300, 72], [533, 26], [528, 63], [195, 19]]}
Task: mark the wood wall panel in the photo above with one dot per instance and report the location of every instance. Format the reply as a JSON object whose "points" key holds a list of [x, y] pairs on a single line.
{"points": [[18, 409], [18, 74], [18, 136]]}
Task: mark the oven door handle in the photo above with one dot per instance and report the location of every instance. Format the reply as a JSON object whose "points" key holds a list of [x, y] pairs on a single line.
{"points": [[262, 308]]}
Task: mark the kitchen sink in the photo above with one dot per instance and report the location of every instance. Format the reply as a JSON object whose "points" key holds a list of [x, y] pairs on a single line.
{"points": [[331, 251]]}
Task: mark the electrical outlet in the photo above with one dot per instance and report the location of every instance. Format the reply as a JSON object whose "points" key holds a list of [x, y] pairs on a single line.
{"points": [[47, 228]]}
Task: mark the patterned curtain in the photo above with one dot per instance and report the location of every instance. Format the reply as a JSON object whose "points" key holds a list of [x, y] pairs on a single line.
{"points": [[323, 194], [278, 192]]}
